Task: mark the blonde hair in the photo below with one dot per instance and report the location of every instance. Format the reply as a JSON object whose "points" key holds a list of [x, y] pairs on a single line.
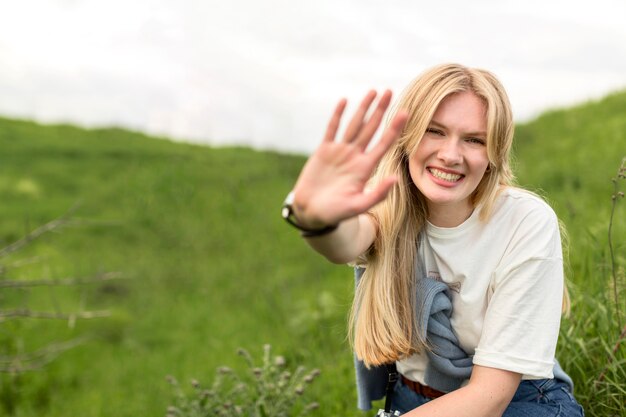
{"points": [[382, 327]]}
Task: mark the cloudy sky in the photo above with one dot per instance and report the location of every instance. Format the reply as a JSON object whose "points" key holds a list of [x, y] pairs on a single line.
{"points": [[267, 73]]}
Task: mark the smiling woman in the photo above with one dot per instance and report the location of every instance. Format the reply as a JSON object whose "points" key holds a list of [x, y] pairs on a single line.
{"points": [[460, 274]]}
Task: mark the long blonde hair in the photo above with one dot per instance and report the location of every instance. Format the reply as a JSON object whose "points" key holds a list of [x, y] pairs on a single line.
{"points": [[382, 323]]}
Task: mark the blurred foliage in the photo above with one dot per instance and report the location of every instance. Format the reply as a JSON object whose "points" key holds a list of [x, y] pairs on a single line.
{"points": [[211, 263]]}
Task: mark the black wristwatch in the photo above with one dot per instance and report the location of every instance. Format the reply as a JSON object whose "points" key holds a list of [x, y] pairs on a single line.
{"points": [[287, 214]]}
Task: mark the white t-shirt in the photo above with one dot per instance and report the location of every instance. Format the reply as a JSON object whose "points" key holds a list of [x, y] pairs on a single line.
{"points": [[506, 277]]}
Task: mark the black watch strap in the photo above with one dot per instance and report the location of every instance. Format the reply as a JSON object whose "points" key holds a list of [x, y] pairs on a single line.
{"points": [[287, 214]]}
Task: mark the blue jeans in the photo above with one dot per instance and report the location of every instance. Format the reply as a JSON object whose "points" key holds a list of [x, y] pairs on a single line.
{"points": [[533, 398]]}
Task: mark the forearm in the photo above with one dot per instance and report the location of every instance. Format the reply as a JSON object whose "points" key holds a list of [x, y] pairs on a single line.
{"points": [[488, 394], [465, 402], [352, 238]]}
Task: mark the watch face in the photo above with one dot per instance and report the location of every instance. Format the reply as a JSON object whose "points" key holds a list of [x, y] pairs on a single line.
{"points": [[286, 211]]}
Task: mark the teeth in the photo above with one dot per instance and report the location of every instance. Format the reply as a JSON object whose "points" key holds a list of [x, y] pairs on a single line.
{"points": [[446, 176]]}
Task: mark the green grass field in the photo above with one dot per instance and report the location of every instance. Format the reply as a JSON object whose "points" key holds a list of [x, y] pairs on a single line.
{"points": [[211, 266]]}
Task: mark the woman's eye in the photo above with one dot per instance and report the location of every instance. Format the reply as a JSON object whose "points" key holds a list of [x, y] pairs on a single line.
{"points": [[476, 141], [434, 131]]}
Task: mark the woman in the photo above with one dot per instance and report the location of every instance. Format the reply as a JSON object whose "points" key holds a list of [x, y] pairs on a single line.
{"points": [[440, 216]]}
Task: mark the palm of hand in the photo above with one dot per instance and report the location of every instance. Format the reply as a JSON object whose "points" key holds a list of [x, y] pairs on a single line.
{"points": [[332, 184]]}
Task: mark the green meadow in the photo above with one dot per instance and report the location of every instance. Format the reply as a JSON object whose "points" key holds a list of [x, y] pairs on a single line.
{"points": [[209, 266]]}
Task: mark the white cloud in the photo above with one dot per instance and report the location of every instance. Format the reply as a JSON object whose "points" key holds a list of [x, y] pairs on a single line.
{"points": [[268, 73]]}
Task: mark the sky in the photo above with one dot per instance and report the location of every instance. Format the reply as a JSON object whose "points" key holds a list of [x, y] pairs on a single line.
{"points": [[267, 73]]}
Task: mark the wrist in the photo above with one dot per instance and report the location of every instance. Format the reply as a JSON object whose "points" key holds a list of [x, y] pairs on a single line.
{"points": [[307, 227]]}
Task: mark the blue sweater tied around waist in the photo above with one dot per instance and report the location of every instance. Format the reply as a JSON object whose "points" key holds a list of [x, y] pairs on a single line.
{"points": [[448, 364]]}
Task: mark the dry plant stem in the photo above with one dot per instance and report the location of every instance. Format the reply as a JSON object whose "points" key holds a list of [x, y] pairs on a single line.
{"points": [[17, 264], [54, 224], [107, 276], [620, 339], [24, 312], [38, 359], [613, 265], [615, 198], [30, 361]]}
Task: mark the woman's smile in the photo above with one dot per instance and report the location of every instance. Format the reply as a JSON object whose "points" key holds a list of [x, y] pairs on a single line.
{"points": [[447, 178]]}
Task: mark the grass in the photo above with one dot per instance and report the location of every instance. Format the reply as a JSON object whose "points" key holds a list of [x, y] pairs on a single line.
{"points": [[212, 267], [570, 156]]}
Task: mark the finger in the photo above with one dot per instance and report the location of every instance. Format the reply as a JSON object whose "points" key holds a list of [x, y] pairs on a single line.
{"points": [[369, 199], [357, 120], [333, 124], [370, 128], [390, 135]]}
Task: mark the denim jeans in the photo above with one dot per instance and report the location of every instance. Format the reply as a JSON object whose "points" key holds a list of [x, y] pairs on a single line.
{"points": [[533, 398]]}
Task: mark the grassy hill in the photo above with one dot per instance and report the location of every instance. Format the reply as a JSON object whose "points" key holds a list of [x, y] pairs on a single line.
{"points": [[570, 156], [212, 267]]}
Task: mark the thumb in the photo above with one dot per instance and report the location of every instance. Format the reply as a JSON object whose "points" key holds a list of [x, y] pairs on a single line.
{"points": [[370, 198]]}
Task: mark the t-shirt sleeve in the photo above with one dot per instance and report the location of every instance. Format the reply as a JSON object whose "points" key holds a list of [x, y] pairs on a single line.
{"points": [[523, 315]]}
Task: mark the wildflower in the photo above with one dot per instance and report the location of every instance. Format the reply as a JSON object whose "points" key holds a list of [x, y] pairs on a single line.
{"points": [[231, 396], [224, 370], [313, 406]]}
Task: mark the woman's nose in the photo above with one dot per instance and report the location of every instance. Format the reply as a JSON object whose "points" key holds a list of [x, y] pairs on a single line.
{"points": [[450, 151]]}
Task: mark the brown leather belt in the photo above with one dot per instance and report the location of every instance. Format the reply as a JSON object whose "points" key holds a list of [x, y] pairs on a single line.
{"points": [[423, 390]]}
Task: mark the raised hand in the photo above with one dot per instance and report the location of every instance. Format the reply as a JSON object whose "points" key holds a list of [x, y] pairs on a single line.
{"points": [[331, 186]]}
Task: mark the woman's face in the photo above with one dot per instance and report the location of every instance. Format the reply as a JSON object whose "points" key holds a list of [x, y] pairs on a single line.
{"points": [[451, 159]]}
